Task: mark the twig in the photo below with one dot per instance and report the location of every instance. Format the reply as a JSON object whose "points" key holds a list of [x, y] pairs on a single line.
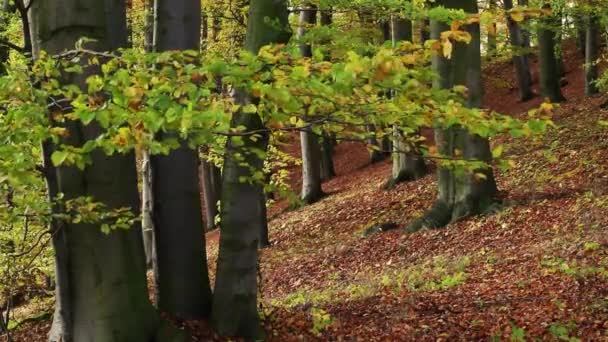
{"points": [[12, 46]]}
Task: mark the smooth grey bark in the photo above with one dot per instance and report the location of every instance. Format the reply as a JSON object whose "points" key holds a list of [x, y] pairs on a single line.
{"points": [[101, 277], [147, 210], [211, 178], [61, 329], [328, 170], [309, 142], [459, 195], [549, 73], [182, 281], [311, 166], [235, 298], [591, 54], [408, 163], [520, 59]]}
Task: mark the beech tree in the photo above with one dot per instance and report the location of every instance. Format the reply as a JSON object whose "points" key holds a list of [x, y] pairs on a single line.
{"points": [[408, 163], [591, 54], [211, 186], [327, 142], [549, 74], [491, 42], [242, 212], [101, 281], [460, 193], [182, 281], [147, 204], [311, 150], [520, 56]]}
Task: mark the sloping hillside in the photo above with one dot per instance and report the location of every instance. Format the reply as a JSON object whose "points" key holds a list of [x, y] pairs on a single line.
{"points": [[536, 268]]}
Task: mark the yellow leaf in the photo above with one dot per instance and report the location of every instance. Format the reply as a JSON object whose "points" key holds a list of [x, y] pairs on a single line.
{"points": [[436, 46], [447, 49], [461, 36], [491, 28], [517, 15]]}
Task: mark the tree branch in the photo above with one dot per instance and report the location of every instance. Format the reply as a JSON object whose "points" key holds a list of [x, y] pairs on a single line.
{"points": [[12, 46]]}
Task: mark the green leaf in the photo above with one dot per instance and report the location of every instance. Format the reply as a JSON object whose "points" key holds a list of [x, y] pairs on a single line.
{"points": [[497, 151], [58, 157], [250, 109]]}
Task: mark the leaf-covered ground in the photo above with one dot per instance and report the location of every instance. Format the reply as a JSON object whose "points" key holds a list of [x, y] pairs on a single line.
{"points": [[537, 268]]}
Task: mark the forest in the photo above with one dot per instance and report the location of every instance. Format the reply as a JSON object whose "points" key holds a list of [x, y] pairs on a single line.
{"points": [[303, 170]]}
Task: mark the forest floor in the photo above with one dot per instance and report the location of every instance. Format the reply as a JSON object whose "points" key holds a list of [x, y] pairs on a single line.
{"points": [[538, 268]]}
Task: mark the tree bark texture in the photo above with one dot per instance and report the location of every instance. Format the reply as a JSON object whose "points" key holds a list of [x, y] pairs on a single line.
{"points": [[549, 73], [211, 179], [309, 142], [520, 59], [235, 298], [408, 163], [459, 195], [182, 287], [101, 280], [591, 54]]}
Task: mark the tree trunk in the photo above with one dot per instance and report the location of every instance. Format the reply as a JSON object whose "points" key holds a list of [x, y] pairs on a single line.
{"points": [[376, 154], [309, 142], [581, 33], [311, 167], [491, 34], [520, 59], [326, 16], [182, 281], [425, 33], [591, 55], [408, 163], [327, 143], [327, 158], [101, 280], [549, 75], [559, 51], [147, 211], [145, 169], [235, 311], [210, 178], [525, 34], [459, 194]]}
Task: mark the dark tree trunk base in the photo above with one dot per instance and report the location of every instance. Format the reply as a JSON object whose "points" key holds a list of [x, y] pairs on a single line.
{"points": [[417, 171], [313, 198], [441, 214]]}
